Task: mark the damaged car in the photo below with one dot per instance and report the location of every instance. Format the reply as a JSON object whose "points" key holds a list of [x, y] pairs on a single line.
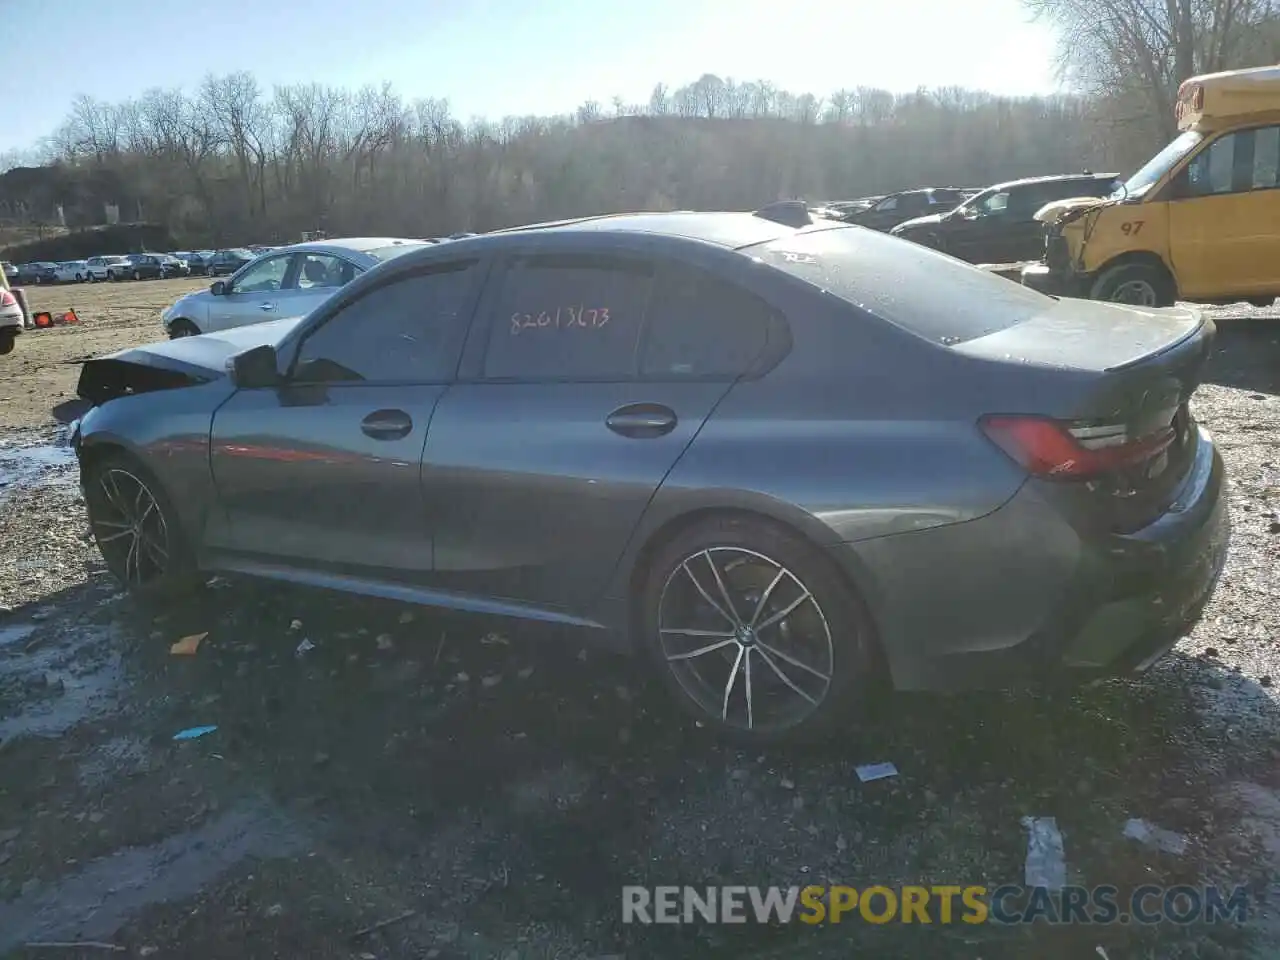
{"points": [[786, 462]]}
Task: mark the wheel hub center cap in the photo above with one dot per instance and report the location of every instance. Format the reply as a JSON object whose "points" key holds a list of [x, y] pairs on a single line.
{"points": [[746, 636]]}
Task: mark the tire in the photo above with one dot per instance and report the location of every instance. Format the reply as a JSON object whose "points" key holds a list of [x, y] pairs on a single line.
{"points": [[757, 558], [137, 275], [111, 276], [8, 338], [1136, 284], [159, 564], [183, 328]]}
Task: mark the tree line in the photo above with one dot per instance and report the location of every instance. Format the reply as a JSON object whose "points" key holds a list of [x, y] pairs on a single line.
{"points": [[231, 162]]}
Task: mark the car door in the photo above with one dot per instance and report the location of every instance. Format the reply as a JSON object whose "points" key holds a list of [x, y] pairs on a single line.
{"points": [[323, 470], [253, 294], [540, 463], [1023, 235], [1223, 212], [976, 235]]}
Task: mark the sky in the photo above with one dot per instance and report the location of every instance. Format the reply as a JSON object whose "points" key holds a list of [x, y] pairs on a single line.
{"points": [[510, 57]]}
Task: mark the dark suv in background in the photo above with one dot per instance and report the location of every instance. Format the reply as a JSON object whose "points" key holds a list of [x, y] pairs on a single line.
{"points": [[226, 262], [892, 210], [998, 225]]}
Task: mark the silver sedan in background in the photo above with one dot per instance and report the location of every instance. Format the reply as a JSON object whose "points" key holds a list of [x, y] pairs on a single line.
{"points": [[286, 283]]}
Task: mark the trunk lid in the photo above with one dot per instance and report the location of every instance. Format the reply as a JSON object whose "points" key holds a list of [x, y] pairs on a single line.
{"points": [[1112, 378]]}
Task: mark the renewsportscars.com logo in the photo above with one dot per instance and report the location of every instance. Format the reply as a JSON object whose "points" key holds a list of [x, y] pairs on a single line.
{"points": [[973, 904]]}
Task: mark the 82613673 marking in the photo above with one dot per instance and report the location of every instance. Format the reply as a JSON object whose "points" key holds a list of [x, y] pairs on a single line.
{"points": [[580, 317]]}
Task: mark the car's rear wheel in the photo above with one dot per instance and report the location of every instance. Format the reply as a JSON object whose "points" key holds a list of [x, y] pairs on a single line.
{"points": [[137, 529], [182, 328], [137, 275], [1136, 284], [8, 339], [755, 631]]}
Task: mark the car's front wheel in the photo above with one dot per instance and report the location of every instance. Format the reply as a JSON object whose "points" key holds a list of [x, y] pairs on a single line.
{"points": [[756, 632], [182, 328], [136, 528]]}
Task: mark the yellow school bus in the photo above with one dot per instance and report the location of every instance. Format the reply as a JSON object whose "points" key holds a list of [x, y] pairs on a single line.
{"points": [[1200, 221]]}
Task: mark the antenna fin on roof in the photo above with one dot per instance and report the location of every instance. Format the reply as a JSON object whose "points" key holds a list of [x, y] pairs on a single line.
{"points": [[790, 213]]}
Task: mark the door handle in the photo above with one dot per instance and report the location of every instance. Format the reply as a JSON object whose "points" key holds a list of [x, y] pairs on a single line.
{"points": [[267, 306], [387, 424], [642, 421]]}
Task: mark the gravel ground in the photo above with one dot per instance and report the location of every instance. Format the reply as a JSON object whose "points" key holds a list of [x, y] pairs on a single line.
{"points": [[491, 791]]}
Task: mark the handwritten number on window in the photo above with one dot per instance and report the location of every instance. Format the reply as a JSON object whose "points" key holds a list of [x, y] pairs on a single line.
{"points": [[580, 317]]}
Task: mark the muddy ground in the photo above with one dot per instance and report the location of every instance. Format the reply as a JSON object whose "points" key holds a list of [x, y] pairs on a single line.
{"points": [[491, 792]]}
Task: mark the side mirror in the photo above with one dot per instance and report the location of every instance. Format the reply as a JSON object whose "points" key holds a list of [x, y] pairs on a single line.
{"points": [[218, 288], [969, 213], [254, 369]]}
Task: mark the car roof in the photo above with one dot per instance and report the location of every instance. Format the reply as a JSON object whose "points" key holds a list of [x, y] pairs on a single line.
{"points": [[1029, 181], [731, 230], [358, 244]]}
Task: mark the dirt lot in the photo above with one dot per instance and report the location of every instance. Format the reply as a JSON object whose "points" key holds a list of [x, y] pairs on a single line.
{"points": [[490, 793]]}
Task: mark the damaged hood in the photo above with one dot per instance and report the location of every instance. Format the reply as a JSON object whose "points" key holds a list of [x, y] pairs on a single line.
{"points": [[169, 364], [1053, 212]]}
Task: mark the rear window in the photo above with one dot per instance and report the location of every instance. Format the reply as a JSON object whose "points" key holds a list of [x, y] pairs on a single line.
{"points": [[927, 293]]}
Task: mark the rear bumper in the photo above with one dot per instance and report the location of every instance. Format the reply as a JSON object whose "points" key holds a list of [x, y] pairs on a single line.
{"points": [[1018, 598]]}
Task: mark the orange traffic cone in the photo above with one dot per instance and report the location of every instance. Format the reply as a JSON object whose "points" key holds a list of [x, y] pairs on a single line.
{"points": [[70, 316], [43, 319]]}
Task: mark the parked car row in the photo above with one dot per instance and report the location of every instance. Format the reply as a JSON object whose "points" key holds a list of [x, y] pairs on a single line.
{"points": [[134, 266], [992, 225]]}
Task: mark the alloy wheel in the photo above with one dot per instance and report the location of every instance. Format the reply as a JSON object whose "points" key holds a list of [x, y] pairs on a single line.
{"points": [[129, 527], [745, 639]]}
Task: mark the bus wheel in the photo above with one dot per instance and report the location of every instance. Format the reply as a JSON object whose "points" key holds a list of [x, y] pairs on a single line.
{"points": [[1137, 284]]}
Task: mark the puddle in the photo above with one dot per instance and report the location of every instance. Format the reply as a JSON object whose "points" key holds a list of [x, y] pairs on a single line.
{"points": [[35, 464], [94, 903], [16, 633], [64, 683]]}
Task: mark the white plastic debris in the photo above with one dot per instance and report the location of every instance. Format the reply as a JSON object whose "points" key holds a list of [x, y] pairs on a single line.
{"points": [[305, 647], [1046, 864], [875, 771], [1153, 836]]}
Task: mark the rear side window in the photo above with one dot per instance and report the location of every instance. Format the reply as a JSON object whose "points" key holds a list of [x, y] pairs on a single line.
{"points": [[932, 295], [699, 326], [568, 318]]}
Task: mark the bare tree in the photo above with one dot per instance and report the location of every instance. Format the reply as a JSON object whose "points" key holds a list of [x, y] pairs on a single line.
{"points": [[1138, 52]]}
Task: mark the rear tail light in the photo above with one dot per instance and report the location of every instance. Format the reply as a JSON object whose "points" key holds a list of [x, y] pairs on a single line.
{"points": [[1060, 450], [7, 299]]}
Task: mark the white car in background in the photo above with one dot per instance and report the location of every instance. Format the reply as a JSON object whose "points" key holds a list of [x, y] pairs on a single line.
{"points": [[109, 268], [285, 283], [71, 271], [11, 319]]}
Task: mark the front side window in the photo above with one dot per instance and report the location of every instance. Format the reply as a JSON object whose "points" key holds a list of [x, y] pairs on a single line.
{"points": [[993, 204], [266, 276], [568, 317], [887, 204], [1239, 162], [700, 326], [409, 329]]}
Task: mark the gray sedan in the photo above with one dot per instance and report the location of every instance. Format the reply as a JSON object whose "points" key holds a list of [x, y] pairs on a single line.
{"points": [[285, 282], [786, 462]]}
